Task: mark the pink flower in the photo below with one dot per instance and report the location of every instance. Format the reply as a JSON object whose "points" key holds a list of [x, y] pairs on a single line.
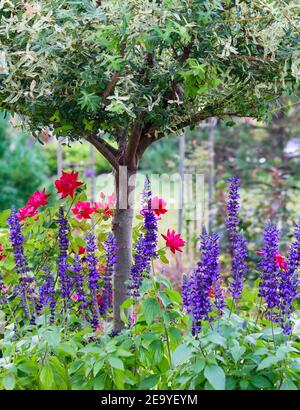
{"points": [[107, 206], [83, 210], [67, 184], [38, 199], [74, 297], [158, 205], [26, 212], [173, 241]]}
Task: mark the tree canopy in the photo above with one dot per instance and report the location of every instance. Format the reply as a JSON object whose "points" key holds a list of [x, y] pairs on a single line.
{"points": [[141, 69]]}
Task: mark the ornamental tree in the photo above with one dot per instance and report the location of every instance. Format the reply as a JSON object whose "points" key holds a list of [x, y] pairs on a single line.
{"points": [[139, 70]]}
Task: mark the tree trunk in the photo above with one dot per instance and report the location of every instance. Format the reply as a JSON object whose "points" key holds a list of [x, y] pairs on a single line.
{"points": [[122, 229]]}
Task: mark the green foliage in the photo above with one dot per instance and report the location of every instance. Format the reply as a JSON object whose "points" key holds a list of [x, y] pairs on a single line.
{"points": [[233, 354], [167, 63], [23, 167]]}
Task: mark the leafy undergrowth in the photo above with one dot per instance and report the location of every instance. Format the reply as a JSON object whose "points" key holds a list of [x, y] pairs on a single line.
{"points": [[155, 352]]}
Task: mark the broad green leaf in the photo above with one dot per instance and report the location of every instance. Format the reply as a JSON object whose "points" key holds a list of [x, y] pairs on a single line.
{"points": [[261, 382], [9, 381], [149, 382], [116, 363], [157, 349], [150, 309], [237, 351], [174, 295], [181, 355], [217, 339], [268, 362], [52, 337], [47, 377], [288, 385], [118, 377], [215, 375]]}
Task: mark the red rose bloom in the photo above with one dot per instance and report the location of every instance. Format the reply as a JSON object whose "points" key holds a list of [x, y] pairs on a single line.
{"points": [[173, 241], [67, 184], [83, 210], [38, 199], [26, 212], [2, 255]]}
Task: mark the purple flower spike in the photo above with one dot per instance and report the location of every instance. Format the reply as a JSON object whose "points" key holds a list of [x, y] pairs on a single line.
{"points": [[233, 207], [17, 240], [146, 246], [238, 243], [270, 275], [185, 293], [47, 295], [79, 284], [204, 280], [63, 241], [239, 267], [290, 282], [93, 277], [111, 261], [139, 266]]}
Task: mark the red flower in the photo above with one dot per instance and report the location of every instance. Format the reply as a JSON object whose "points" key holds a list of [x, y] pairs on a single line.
{"points": [[38, 199], [279, 260], [67, 184], [100, 297], [81, 250], [83, 210], [26, 212], [104, 207], [173, 241], [158, 206], [2, 255], [211, 293]]}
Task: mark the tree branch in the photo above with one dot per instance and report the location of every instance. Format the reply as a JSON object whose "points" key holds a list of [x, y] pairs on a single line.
{"points": [[115, 78], [133, 143], [110, 86], [109, 152], [151, 135]]}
